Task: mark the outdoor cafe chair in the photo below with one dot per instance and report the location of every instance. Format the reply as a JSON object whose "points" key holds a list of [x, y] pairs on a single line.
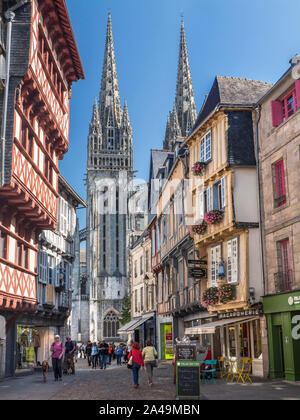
{"points": [[223, 367], [244, 370], [208, 375], [231, 367]]}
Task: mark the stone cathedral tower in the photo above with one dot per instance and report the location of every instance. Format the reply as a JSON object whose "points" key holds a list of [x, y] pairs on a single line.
{"points": [[109, 180], [183, 117]]}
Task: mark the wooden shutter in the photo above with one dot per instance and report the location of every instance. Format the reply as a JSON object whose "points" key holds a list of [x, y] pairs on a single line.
{"points": [[297, 86], [201, 206], [280, 183], [277, 115]]}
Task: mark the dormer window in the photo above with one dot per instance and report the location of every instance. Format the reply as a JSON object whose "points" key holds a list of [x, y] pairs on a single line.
{"points": [[287, 106]]}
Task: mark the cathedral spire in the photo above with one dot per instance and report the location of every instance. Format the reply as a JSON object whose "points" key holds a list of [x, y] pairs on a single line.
{"points": [[185, 100], [109, 102], [95, 121]]}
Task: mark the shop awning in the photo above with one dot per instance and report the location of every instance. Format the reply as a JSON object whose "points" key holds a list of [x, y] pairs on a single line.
{"points": [[129, 326], [210, 328], [145, 318], [135, 323]]}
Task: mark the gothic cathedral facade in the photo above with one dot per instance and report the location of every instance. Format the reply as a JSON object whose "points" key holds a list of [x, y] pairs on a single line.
{"points": [[109, 181]]}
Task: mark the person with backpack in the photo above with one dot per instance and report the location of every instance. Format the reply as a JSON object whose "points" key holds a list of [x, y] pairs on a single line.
{"points": [[135, 362], [103, 353], [119, 354], [150, 355], [57, 350]]}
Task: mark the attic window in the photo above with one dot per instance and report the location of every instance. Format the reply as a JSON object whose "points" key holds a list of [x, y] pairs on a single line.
{"points": [[283, 109]]}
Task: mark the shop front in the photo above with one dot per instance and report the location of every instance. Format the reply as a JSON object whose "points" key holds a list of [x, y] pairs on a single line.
{"points": [[140, 329], [283, 322], [234, 335], [165, 338]]}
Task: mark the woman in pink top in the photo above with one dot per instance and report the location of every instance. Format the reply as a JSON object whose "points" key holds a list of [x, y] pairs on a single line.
{"points": [[57, 349]]}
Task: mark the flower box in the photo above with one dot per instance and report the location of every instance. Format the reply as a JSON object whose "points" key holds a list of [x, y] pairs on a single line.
{"points": [[199, 168], [199, 229], [214, 216], [210, 296], [227, 293]]}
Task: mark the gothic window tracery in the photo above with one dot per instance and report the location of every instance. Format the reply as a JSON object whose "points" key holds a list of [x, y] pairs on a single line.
{"points": [[111, 324]]}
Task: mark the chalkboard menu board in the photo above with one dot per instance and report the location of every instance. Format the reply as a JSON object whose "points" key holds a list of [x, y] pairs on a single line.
{"points": [[188, 380], [185, 352]]}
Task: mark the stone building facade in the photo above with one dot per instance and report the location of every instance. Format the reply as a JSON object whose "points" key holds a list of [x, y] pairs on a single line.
{"points": [[109, 182], [279, 154]]}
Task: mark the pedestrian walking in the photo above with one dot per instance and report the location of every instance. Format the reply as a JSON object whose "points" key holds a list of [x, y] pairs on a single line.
{"points": [[94, 354], [103, 352], [70, 348], [57, 350], [125, 354], [150, 355], [119, 354], [88, 352], [110, 353], [136, 361]]}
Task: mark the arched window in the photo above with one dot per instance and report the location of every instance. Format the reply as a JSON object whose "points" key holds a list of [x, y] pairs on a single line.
{"points": [[111, 325]]}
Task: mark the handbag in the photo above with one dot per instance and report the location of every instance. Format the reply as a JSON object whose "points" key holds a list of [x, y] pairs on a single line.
{"points": [[130, 362]]}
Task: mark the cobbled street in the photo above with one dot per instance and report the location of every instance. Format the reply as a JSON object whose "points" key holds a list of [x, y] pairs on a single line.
{"points": [[114, 383]]}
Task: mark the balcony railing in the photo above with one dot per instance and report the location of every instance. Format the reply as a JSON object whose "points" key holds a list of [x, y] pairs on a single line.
{"points": [[283, 281]]}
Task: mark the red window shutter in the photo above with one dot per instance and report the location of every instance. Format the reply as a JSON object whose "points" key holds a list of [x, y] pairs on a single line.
{"points": [[297, 86], [277, 117], [280, 182]]}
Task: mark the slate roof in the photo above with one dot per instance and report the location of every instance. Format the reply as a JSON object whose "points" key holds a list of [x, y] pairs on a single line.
{"points": [[232, 91], [158, 158]]}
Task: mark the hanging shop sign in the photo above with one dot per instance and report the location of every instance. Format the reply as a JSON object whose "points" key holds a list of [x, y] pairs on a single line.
{"points": [[198, 272], [200, 262]]}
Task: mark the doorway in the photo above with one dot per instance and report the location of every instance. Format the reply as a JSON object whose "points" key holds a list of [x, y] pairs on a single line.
{"points": [[279, 352]]}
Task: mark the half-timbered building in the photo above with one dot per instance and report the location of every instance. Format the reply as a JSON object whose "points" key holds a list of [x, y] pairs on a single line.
{"points": [[42, 62]]}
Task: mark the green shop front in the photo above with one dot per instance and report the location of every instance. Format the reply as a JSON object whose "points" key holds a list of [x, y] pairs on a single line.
{"points": [[283, 321]]}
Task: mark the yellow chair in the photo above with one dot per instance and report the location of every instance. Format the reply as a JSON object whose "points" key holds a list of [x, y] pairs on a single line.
{"points": [[230, 368], [244, 371], [222, 367]]}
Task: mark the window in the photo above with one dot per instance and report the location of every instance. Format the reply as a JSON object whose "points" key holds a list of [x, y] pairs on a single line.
{"points": [[179, 208], [216, 253], [142, 298], [135, 269], [181, 274], [284, 276], [51, 270], [279, 184], [205, 148], [43, 267], [153, 241], [160, 286], [3, 245], [147, 268], [286, 107], [158, 235], [141, 266], [111, 325], [233, 261], [166, 287], [135, 301], [219, 195]]}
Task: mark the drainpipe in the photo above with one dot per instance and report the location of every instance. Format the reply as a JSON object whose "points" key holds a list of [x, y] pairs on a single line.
{"points": [[9, 16], [258, 109]]}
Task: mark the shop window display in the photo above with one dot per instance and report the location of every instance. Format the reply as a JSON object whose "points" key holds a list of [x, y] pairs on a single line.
{"points": [[28, 342]]}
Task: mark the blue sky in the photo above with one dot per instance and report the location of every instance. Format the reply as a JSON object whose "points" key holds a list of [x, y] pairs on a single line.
{"points": [[254, 39]]}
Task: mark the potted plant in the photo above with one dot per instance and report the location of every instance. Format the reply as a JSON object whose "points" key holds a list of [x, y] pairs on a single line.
{"points": [[213, 217], [199, 168]]}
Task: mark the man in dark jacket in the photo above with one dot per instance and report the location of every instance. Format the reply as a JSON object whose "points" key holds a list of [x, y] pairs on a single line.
{"points": [[103, 352], [70, 348], [88, 352]]}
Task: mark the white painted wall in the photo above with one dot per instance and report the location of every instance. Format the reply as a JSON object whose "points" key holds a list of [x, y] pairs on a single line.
{"points": [[245, 194], [255, 264]]}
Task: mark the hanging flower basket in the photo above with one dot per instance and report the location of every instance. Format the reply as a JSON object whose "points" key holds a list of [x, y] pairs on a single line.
{"points": [[210, 296], [200, 229], [199, 168], [227, 293], [214, 216]]}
